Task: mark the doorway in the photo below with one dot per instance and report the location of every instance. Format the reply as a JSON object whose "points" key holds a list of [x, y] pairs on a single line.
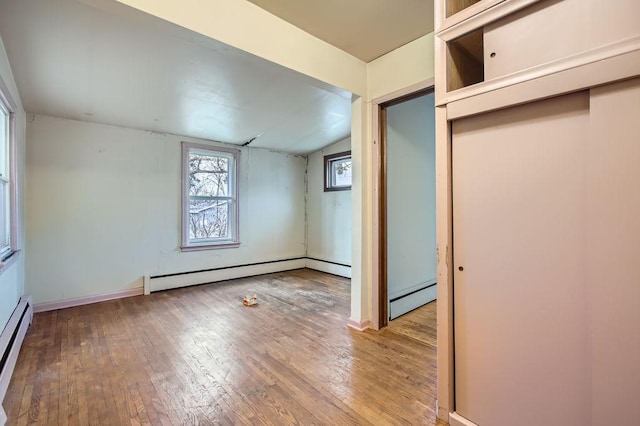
{"points": [[407, 212]]}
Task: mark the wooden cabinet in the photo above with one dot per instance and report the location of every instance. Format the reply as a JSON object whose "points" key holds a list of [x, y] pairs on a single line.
{"points": [[508, 37], [537, 165], [550, 31], [465, 61], [456, 6]]}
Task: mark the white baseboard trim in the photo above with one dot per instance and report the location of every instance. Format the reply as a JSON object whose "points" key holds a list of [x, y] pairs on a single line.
{"points": [[456, 419], [10, 343], [328, 267], [167, 282], [359, 325], [146, 285], [86, 300]]}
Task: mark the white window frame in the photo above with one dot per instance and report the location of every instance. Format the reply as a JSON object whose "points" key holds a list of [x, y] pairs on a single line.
{"points": [[9, 107], [234, 165]]}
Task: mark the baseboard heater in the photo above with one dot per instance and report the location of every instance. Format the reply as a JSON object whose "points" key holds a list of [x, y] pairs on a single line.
{"points": [[422, 294], [184, 279], [10, 342]]}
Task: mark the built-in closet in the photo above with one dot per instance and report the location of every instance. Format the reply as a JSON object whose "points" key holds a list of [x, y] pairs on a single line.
{"points": [[538, 142]]}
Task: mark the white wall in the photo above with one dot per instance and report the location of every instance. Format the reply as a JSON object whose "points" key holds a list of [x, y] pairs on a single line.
{"points": [[328, 213], [12, 278], [411, 196], [401, 68], [104, 209]]}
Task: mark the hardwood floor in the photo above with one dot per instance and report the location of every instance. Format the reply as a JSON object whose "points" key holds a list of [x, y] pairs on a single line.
{"points": [[198, 356]]}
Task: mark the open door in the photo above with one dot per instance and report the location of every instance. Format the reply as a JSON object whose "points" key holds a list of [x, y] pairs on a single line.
{"points": [[408, 234]]}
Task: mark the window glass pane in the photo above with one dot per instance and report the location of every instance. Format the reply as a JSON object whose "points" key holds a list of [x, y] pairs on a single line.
{"points": [[209, 219], [4, 216], [208, 175], [5, 224], [342, 172], [4, 147]]}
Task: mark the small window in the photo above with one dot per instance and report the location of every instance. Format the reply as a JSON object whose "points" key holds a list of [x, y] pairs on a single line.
{"points": [[8, 224], [210, 197], [337, 171]]}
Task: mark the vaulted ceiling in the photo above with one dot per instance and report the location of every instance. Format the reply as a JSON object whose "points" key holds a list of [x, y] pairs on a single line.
{"points": [[101, 61]]}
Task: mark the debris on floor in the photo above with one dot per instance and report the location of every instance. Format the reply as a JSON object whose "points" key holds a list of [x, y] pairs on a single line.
{"points": [[250, 300]]}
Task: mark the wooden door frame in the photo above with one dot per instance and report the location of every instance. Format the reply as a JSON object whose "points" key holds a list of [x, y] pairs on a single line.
{"points": [[380, 314]]}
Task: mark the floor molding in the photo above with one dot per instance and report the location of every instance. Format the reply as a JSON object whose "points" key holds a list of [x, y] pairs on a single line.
{"points": [[86, 300], [334, 268], [456, 419], [359, 325]]}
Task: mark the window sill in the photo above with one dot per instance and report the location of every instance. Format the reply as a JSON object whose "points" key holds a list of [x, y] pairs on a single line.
{"points": [[337, 188], [9, 260], [209, 246]]}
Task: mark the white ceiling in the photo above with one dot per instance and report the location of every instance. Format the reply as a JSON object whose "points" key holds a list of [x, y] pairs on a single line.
{"points": [[101, 61], [366, 29]]}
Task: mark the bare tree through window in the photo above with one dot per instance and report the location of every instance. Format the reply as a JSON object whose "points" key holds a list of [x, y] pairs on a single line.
{"points": [[337, 171], [211, 195]]}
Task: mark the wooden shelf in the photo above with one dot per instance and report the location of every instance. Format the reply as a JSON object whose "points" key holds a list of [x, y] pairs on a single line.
{"points": [[465, 62], [455, 6]]}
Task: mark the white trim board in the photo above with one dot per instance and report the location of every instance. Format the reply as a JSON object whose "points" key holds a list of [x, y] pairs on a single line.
{"points": [[86, 300], [456, 419], [358, 325], [328, 267]]}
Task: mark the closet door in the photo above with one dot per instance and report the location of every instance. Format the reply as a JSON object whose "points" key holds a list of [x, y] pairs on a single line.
{"points": [[613, 209], [520, 299]]}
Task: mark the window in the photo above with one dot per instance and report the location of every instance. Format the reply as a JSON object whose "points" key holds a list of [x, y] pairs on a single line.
{"points": [[337, 171], [209, 197], [7, 174]]}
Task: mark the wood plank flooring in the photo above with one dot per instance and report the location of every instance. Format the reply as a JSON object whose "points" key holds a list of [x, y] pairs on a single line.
{"points": [[198, 356]]}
